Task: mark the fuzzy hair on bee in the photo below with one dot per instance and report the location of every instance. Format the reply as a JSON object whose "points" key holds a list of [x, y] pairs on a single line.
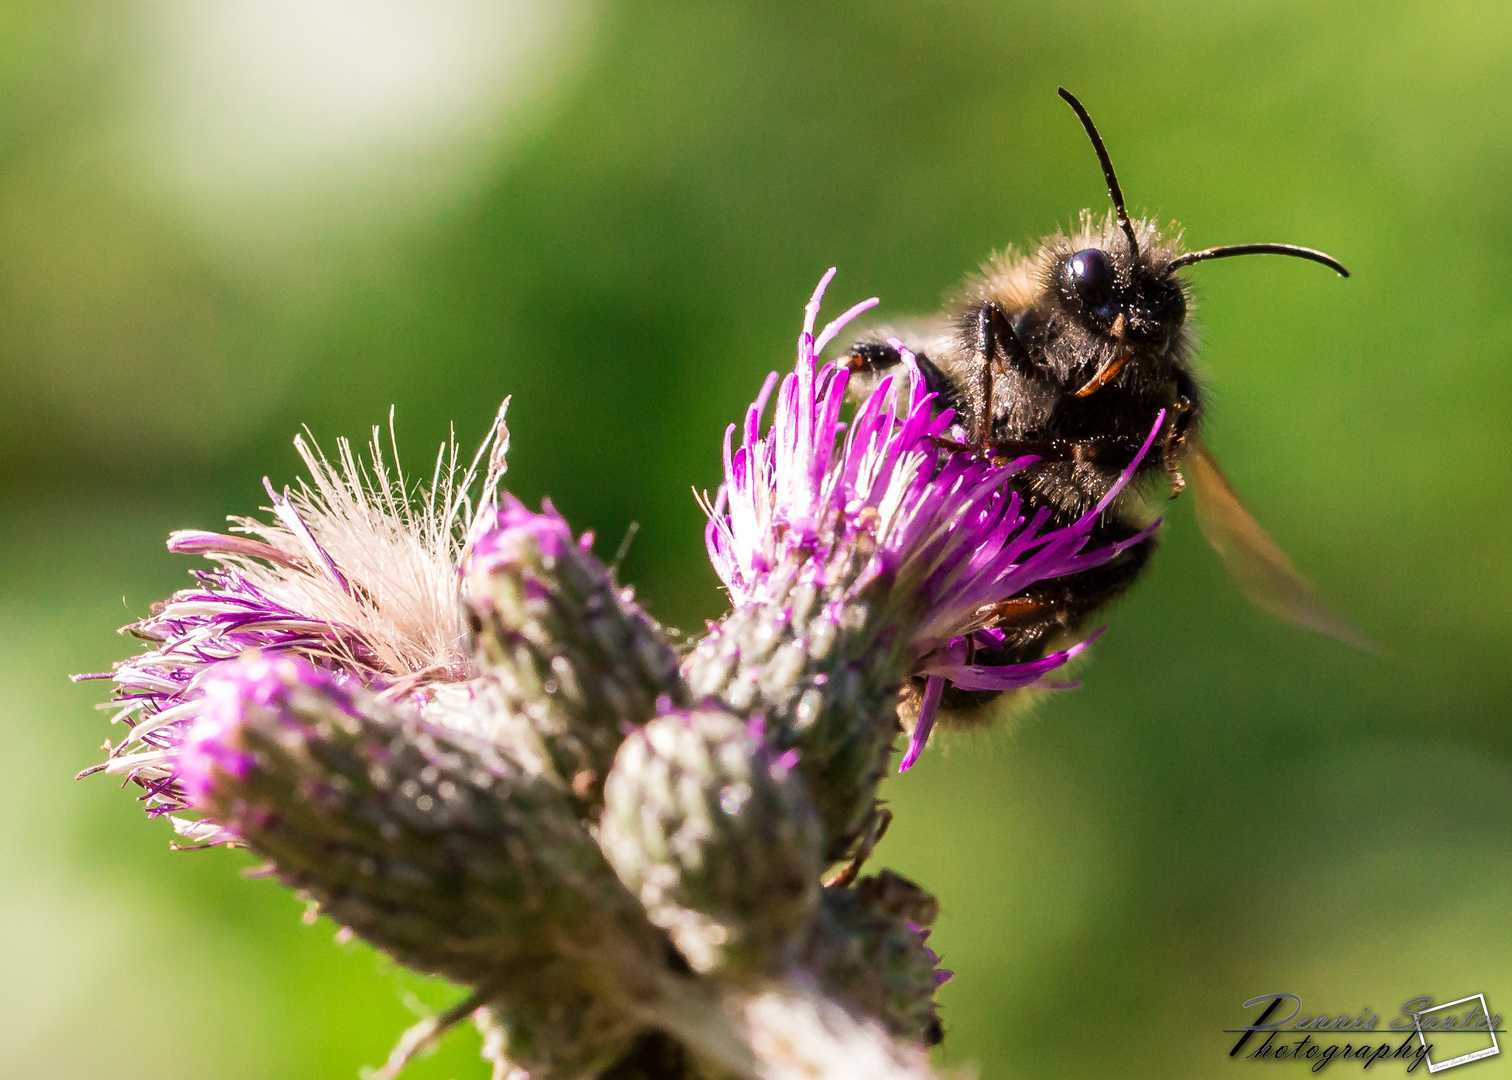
{"points": [[1070, 353]]}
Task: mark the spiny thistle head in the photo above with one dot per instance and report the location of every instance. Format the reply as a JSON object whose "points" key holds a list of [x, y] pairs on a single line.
{"points": [[715, 832], [564, 644], [441, 719], [356, 573], [450, 853], [868, 949], [860, 555]]}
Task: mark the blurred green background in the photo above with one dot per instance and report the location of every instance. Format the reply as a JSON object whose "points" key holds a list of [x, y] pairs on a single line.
{"points": [[221, 221]]}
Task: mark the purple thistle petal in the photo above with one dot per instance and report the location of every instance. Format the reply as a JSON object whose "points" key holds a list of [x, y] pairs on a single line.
{"points": [[934, 688], [199, 542], [804, 498], [491, 541], [834, 327], [1005, 677]]}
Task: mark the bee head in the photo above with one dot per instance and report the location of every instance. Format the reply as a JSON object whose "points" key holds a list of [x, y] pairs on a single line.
{"points": [[1129, 296], [1130, 291]]}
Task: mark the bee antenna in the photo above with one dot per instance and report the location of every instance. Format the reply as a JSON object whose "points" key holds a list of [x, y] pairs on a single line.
{"points": [[1230, 250], [1107, 167]]}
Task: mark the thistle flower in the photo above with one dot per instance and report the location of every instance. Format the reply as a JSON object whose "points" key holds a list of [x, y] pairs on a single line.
{"points": [[450, 728], [858, 556], [354, 574]]}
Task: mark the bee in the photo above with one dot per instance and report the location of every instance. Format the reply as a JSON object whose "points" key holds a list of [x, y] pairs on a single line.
{"points": [[1070, 354]]}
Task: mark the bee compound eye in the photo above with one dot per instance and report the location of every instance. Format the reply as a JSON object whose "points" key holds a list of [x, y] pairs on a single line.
{"points": [[1090, 276]]}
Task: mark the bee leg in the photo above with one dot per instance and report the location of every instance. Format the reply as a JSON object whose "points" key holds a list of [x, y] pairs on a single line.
{"points": [[986, 344], [1181, 426], [998, 341], [869, 361], [1020, 609], [1170, 456], [1005, 450], [872, 356], [942, 443], [871, 835]]}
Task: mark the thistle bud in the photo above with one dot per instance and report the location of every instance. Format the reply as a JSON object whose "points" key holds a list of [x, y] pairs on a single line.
{"points": [[570, 649], [439, 849], [869, 951], [715, 833]]}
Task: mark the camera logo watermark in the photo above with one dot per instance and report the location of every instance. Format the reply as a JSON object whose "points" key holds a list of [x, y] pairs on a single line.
{"points": [[1479, 1011]]}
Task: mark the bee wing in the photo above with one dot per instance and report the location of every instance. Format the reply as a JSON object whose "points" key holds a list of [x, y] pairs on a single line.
{"points": [[1262, 571]]}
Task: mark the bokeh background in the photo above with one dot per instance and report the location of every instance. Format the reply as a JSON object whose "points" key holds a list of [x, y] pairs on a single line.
{"points": [[221, 221]]}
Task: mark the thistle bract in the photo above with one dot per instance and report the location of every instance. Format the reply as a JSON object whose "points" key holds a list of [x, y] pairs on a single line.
{"points": [[563, 644]]}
